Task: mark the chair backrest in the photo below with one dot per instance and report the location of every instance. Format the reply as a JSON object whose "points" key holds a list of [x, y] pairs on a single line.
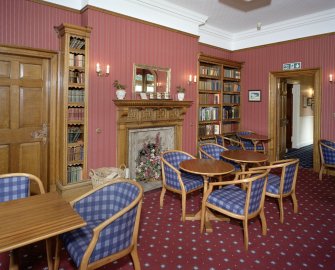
{"points": [[211, 151], [327, 152], [255, 192], [115, 208], [15, 186], [246, 143], [170, 161]]}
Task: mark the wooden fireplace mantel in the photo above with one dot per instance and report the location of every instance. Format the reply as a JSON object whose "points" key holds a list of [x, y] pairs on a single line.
{"points": [[136, 114]]}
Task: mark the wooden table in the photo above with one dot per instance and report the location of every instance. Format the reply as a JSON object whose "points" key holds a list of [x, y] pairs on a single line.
{"points": [[244, 157], [255, 138], [206, 168], [39, 217]]}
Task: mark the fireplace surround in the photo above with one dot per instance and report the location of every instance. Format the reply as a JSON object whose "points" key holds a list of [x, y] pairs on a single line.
{"points": [[146, 114]]}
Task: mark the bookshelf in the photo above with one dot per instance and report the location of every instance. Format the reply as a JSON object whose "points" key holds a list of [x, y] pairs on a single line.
{"points": [[72, 104], [219, 97]]}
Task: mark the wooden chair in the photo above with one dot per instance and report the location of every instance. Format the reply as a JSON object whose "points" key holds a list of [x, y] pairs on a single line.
{"points": [[327, 154], [14, 186], [112, 213], [228, 143], [178, 181], [282, 184], [237, 203], [248, 144], [213, 151]]}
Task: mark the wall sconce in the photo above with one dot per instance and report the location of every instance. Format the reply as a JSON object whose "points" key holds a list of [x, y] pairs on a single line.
{"points": [[192, 79], [99, 71], [331, 78]]}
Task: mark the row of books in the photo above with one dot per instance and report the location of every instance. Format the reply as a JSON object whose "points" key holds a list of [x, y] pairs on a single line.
{"points": [[74, 174], [231, 99], [210, 71], [213, 85], [231, 87], [208, 114], [75, 114], [207, 130], [74, 134], [75, 95], [230, 112], [76, 60], [232, 73], [76, 77], [229, 127], [75, 153], [77, 43], [209, 98]]}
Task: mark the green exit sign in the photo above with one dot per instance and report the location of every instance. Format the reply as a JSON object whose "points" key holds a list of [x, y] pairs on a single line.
{"points": [[290, 66]]}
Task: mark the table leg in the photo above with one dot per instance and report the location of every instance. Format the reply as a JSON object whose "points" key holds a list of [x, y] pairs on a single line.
{"points": [[13, 260], [49, 253]]}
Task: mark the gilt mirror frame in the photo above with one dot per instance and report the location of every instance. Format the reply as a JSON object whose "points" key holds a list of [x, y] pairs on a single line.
{"points": [[151, 79]]}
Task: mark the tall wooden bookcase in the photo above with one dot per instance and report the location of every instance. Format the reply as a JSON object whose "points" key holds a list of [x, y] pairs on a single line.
{"points": [[219, 97], [72, 105]]}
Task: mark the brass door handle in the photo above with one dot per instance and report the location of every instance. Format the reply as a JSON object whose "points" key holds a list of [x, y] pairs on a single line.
{"points": [[41, 134]]}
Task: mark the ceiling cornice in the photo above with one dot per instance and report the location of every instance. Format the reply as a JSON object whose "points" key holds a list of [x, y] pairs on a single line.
{"points": [[172, 16]]}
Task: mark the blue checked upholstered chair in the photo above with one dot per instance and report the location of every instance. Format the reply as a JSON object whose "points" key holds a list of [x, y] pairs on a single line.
{"points": [[112, 213], [228, 143], [176, 180], [327, 153], [237, 203], [213, 151], [281, 182], [15, 186], [248, 144]]}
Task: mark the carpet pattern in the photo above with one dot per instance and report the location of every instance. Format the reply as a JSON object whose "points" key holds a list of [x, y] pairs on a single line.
{"points": [[304, 154], [306, 240]]}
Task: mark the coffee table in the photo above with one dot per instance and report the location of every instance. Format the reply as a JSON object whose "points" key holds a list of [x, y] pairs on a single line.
{"points": [[206, 168]]}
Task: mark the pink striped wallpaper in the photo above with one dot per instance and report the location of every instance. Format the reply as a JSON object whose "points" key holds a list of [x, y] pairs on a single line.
{"points": [[121, 42], [315, 52], [30, 24]]}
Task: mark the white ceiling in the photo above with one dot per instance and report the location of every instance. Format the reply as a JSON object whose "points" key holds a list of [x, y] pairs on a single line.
{"points": [[229, 24]]}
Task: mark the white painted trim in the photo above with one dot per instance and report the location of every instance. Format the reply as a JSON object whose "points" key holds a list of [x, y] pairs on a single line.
{"points": [[166, 14]]}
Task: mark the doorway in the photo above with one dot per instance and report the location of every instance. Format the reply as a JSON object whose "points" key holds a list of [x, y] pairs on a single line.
{"points": [[278, 121], [27, 112]]}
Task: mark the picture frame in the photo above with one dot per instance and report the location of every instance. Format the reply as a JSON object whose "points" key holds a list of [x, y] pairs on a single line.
{"points": [[143, 96], [309, 101], [254, 95]]}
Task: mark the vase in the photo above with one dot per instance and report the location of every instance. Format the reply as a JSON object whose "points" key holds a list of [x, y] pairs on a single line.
{"points": [[120, 93], [180, 96]]}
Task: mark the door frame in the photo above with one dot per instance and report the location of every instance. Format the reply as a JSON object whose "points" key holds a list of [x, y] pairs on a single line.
{"points": [[52, 56], [273, 120]]}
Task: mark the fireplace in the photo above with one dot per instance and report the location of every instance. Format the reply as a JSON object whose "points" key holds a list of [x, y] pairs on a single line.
{"points": [[138, 121]]}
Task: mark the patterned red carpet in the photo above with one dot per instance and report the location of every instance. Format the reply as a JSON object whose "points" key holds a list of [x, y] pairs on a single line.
{"points": [[305, 241]]}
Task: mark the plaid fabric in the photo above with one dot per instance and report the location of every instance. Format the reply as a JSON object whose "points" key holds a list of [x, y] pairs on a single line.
{"points": [[233, 198], [230, 198], [248, 145], [191, 181], [274, 180], [13, 188], [219, 140], [211, 149], [96, 208], [328, 154]]}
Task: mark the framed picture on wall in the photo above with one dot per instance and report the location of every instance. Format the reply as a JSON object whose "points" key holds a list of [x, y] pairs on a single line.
{"points": [[254, 95]]}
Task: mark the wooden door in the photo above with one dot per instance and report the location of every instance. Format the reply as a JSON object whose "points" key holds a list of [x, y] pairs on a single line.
{"points": [[24, 114], [282, 118], [289, 116]]}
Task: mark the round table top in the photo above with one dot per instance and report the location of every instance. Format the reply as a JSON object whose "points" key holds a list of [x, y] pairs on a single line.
{"points": [[244, 156], [207, 167], [254, 137]]}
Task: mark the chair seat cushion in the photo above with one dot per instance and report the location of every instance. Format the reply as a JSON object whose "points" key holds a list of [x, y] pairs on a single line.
{"points": [[273, 183], [234, 147], [76, 241], [192, 181], [230, 198]]}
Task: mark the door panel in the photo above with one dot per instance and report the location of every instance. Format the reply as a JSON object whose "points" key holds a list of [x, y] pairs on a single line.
{"points": [[283, 119], [24, 105]]}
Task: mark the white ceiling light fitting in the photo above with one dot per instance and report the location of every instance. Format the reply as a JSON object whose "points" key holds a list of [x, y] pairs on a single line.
{"points": [[259, 26]]}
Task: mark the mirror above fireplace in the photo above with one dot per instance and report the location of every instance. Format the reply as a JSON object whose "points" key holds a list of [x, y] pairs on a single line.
{"points": [[151, 79]]}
